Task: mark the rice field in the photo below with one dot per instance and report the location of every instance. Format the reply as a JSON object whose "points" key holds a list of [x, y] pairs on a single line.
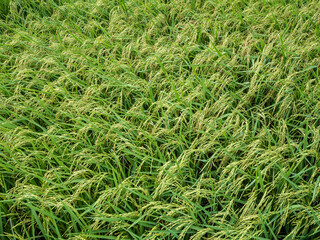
{"points": [[156, 119]]}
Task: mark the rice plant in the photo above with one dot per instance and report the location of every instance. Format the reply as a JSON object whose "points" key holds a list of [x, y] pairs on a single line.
{"points": [[156, 119]]}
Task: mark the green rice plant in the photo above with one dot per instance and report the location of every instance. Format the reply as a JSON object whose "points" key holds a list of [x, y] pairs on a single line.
{"points": [[159, 119], [4, 8]]}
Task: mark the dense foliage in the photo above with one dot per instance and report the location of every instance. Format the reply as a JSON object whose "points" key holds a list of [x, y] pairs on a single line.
{"points": [[160, 119]]}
